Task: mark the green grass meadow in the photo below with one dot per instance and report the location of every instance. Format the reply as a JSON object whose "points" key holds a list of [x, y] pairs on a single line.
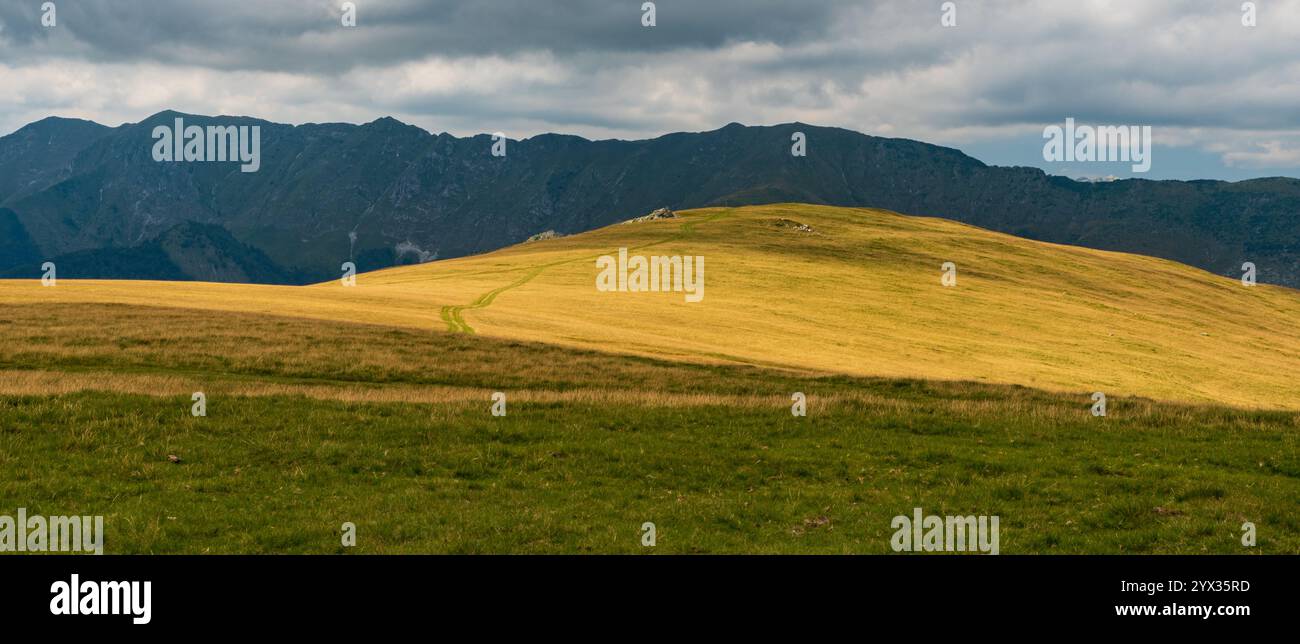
{"points": [[592, 447]]}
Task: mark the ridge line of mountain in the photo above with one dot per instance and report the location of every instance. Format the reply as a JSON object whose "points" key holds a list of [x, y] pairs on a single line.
{"points": [[385, 193]]}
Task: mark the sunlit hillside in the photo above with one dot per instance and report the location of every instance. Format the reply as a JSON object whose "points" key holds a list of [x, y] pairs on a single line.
{"points": [[827, 289]]}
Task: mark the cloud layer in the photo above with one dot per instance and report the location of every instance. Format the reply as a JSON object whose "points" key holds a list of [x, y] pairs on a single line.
{"points": [[1211, 88]]}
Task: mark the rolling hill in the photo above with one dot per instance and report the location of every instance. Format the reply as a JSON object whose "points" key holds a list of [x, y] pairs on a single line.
{"points": [[373, 404], [820, 289]]}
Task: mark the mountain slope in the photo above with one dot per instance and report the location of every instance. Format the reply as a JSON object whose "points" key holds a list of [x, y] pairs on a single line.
{"points": [[832, 290], [16, 246], [187, 251], [385, 193], [39, 154]]}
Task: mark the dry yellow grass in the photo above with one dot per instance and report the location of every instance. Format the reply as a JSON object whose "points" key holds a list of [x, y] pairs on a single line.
{"points": [[26, 382], [860, 295], [35, 382]]}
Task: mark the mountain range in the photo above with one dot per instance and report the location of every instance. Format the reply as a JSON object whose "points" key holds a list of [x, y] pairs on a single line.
{"points": [[92, 199]]}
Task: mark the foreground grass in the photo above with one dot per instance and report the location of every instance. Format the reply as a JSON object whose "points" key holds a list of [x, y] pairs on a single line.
{"points": [[308, 427]]}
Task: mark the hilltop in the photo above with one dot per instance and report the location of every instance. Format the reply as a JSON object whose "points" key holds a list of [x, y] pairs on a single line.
{"points": [[373, 404], [825, 290]]}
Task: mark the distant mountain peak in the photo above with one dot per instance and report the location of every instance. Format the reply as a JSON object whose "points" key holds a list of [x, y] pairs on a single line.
{"points": [[381, 193]]}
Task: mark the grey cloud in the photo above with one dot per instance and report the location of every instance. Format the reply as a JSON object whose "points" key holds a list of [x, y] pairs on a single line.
{"points": [[587, 67], [302, 35]]}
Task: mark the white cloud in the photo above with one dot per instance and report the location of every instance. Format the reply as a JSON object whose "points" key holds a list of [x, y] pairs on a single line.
{"points": [[1267, 154], [1188, 68]]}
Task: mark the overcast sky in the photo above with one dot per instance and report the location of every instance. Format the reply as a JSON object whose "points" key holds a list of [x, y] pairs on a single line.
{"points": [[1223, 99]]}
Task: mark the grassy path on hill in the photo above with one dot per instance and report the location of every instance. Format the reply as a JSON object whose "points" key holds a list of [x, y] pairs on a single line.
{"points": [[453, 315]]}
